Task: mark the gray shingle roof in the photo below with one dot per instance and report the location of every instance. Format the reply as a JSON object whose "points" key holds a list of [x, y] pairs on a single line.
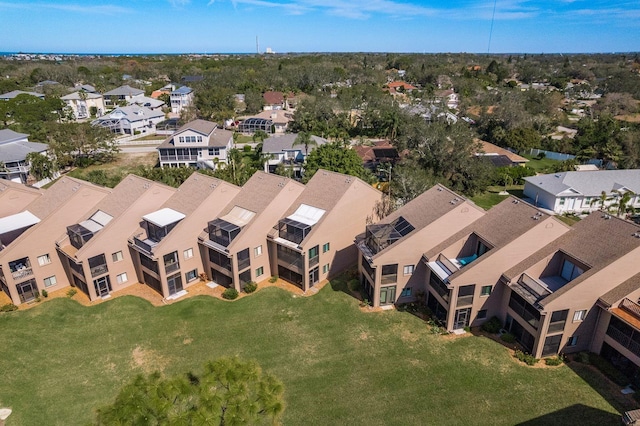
{"points": [[14, 93], [75, 96], [133, 113], [125, 90], [218, 138], [276, 144], [590, 183], [18, 151], [8, 135], [182, 90]]}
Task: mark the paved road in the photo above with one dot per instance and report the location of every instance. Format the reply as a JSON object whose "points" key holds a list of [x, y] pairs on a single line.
{"points": [[137, 149]]}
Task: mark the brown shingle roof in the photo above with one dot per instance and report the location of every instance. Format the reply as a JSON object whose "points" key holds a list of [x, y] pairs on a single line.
{"points": [[193, 192], [621, 291], [275, 98], [489, 148], [595, 241], [58, 194], [124, 194], [217, 137]]}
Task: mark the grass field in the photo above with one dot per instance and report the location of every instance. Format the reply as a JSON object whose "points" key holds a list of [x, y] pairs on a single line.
{"points": [[60, 361], [492, 195]]}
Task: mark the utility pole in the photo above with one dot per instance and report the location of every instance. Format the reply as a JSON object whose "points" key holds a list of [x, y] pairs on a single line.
{"points": [[257, 46]]}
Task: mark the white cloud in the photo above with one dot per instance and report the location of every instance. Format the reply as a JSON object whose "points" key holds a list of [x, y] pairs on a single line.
{"points": [[106, 9]]}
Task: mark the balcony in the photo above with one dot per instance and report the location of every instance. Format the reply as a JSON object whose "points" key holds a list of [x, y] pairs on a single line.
{"points": [[630, 307], [22, 273], [290, 259], [314, 261], [99, 270], [20, 268], [625, 335], [145, 245], [98, 265]]}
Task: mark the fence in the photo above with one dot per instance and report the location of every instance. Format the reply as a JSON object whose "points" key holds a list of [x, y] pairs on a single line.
{"points": [[551, 155]]}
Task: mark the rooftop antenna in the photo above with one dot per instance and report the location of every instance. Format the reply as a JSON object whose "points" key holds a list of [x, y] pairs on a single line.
{"points": [[493, 16]]}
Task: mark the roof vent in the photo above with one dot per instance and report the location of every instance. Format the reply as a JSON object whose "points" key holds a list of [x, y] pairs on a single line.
{"points": [[606, 217], [636, 234], [213, 185], [439, 189]]}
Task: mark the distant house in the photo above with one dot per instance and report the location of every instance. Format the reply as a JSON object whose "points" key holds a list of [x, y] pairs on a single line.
{"points": [[270, 121], [14, 93], [283, 150], [199, 143], [448, 98], [122, 94], [192, 78], [278, 100], [396, 87], [165, 90], [14, 148], [180, 99], [577, 192], [144, 101], [81, 103], [130, 120], [373, 156], [498, 156]]}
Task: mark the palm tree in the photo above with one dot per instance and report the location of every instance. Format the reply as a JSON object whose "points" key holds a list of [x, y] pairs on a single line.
{"points": [[602, 199], [305, 139], [624, 198]]}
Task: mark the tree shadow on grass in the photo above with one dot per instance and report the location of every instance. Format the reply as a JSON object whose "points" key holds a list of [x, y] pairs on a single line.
{"points": [[576, 414]]}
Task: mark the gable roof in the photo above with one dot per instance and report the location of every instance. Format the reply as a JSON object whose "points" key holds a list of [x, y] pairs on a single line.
{"points": [[56, 195], [8, 135], [75, 96], [145, 101], [15, 93], [621, 291], [277, 144], [218, 138], [502, 224], [124, 90], [588, 183], [597, 241], [193, 192], [182, 90], [14, 146], [489, 149], [274, 98], [131, 113]]}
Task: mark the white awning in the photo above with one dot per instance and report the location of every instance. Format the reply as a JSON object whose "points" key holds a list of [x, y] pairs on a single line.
{"points": [[164, 217], [238, 216], [17, 221], [307, 214], [101, 217]]}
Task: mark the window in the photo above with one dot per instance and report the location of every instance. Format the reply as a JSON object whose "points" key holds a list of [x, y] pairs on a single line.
{"points": [[573, 340], [117, 256], [257, 251], [44, 259], [389, 274], [314, 256], [214, 151], [481, 248], [171, 262], [191, 275], [482, 314], [122, 278], [562, 201], [579, 315], [51, 281], [558, 319], [259, 271], [188, 253], [408, 269], [325, 268], [406, 292], [486, 290], [570, 271], [325, 247]]}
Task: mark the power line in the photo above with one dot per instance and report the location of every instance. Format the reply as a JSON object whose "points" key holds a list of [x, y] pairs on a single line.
{"points": [[493, 16]]}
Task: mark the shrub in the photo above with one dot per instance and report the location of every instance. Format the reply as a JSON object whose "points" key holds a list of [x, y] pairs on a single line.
{"points": [[273, 279], [8, 307], [230, 294], [556, 360], [247, 148], [467, 329], [508, 338], [45, 293], [72, 292], [365, 302], [583, 357], [526, 358], [250, 287], [608, 370], [492, 326]]}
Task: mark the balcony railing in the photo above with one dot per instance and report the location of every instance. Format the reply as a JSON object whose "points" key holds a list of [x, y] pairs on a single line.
{"points": [[444, 261], [389, 279], [314, 261], [465, 300], [287, 260], [630, 307], [243, 263], [22, 273], [99, 270], [534, 286], [624, 339], [556, 326], [143, 245], [171, 267]]}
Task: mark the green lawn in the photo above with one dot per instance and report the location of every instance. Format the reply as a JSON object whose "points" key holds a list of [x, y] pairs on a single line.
{"points": [[544, 165], [492, 195], [61, 360]]}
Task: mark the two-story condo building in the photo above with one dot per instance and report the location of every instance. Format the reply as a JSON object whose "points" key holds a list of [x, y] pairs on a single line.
{"points": [[94, 251], [550, 298], [235, 243], [199, 143], [464, 270], [167, 257], [314, 238], [29, 263], [389, 264]]}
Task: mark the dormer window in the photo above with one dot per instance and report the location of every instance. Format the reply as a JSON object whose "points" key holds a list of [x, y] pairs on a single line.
{"points": [[570, 271]]}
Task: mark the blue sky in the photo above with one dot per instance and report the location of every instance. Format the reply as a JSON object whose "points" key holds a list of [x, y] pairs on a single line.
{"points": [[183, 26]]}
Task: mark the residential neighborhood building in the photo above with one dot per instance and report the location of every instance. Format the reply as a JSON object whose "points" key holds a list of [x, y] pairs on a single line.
{"points": [[464, 270], [550, 297], [389, 266], [181, 98], [269, 121], [94, 251], [81, 104], [499, 157], [199, 143], [278, 101], [283, 149], [381, 152], [166, 256], [15, 197], [147, 102], [578, 192], [130, 120], [29, 261], [121, 95], [14, 93], [14, 149], [234, 245], [400, 87], [165, 90], [314, 239]]}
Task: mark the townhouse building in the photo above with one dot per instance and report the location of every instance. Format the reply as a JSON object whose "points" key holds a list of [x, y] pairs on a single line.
{"points": [[235, 242], [199, 143], [82, 103], [166, 246], [550, 298], [389, 266], [94, 251], [29, 263], [15, 197], [314, 239], [180, 99], [464, 270]]}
